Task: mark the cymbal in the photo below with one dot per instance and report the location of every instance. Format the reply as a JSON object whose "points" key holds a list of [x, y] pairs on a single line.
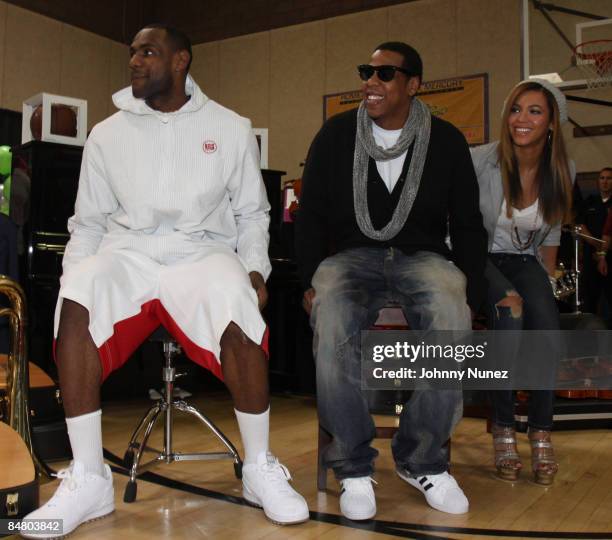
{"points": [[575, 231]]}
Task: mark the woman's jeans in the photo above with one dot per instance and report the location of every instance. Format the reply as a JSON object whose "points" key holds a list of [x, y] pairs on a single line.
{"points": [[510, 274], [351, 287]]}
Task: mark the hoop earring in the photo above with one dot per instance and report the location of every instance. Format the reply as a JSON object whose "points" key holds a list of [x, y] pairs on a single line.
{"points": [[550, 136]]}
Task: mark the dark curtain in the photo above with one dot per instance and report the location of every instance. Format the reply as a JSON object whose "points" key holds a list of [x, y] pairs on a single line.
{"points": [[10, 135], [10, 128]]}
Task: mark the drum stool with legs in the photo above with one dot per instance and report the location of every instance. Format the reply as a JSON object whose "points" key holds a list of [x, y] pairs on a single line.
{"points": [[165, 406]]}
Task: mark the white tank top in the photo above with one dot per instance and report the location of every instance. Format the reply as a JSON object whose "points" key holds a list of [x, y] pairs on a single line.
{"points": [[516, 234]]}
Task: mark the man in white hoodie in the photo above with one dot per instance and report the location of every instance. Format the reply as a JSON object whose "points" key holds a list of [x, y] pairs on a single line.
{"points": [[171, 227]]}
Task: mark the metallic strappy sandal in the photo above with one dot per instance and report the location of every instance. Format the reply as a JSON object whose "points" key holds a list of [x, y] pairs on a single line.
{"points": [[543, 462], [507, 461]]}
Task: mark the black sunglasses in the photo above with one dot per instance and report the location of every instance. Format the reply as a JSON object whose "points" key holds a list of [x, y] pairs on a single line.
{"points": [[385, 73]]}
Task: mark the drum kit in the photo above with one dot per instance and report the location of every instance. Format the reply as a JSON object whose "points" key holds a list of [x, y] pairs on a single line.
{"points": [[567, 282], [564, 282], [585, 370]]}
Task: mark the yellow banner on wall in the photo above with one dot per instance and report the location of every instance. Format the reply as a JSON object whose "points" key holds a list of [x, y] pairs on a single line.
{"points": [[462, 101], [334, 104]]}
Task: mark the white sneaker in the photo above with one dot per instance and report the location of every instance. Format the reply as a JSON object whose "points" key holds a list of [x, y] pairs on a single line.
{"points": [[81, 497], [266, 484], [441, 491], [357, 501]]}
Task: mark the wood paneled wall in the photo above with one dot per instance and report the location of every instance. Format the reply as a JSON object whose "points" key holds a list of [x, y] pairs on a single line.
{"points": [[278, 77], [39, 54]]}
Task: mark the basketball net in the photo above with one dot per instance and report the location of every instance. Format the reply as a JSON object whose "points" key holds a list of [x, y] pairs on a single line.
{"points": [[594, 59]]}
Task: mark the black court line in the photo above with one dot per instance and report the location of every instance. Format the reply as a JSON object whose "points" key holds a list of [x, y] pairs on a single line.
{"points": [[391, 528], [371, 525]]}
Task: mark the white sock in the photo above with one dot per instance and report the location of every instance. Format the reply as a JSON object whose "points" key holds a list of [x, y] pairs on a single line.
{"points": [[255, 432], [85, 433]]}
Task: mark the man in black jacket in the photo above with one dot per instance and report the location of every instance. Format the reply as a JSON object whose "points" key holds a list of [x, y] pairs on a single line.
{"points": [[382, 187], [592, 216]]}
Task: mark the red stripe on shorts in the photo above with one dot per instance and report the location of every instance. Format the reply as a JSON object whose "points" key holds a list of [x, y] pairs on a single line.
{"points": [[130, 333]]}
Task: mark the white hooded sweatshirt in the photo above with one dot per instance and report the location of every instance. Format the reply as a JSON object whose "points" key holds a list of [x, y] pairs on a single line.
{"points": [[169, 185]]}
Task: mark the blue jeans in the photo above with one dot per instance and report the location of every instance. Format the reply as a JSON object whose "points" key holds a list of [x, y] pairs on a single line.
{"points": [[351, 287], [522, 275]]}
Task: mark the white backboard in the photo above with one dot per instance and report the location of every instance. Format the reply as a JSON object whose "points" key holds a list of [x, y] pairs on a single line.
{"points": [[545, 51]]}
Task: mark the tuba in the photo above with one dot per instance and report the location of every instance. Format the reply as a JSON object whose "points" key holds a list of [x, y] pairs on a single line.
{"points": [[17, 404]]}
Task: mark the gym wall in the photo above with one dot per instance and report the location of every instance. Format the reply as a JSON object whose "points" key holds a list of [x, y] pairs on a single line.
{"points": [[549, 53], [40, 54], [278, 78]]}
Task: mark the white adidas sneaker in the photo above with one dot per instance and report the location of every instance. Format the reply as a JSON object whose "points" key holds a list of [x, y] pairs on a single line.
{"points": [[81, 497], [357, 500], [266, 484], [441, 491]]}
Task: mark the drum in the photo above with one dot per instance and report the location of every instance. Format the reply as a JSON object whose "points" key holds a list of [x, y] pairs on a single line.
{"points": [[564, 282], [582, 372]]}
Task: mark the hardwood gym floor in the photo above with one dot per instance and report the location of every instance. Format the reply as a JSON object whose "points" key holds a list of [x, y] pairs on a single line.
{"points": [[206, 501]]}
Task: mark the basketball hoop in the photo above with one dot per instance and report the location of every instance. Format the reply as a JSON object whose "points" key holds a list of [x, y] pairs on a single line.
{"points": [[594, 58]]}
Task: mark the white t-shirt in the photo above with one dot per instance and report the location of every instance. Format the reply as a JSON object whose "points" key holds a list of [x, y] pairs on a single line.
{"points": [[389, 170], [527, 222]]}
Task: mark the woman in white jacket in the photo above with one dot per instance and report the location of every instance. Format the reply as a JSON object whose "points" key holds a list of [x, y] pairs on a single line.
{"points": [[525, 182]]}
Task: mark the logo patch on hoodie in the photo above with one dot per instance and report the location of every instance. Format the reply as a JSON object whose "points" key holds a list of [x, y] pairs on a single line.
{"points": [[209, 147]]}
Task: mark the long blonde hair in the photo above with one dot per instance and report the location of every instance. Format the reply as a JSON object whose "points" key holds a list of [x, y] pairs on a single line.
{"points": [[553, 178]]}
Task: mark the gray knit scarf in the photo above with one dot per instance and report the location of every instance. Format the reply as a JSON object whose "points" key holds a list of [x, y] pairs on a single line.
{"points": [[417, 128]]}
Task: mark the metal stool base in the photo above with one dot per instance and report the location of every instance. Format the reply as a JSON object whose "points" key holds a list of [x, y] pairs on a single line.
{"points": [[165, 407]]}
